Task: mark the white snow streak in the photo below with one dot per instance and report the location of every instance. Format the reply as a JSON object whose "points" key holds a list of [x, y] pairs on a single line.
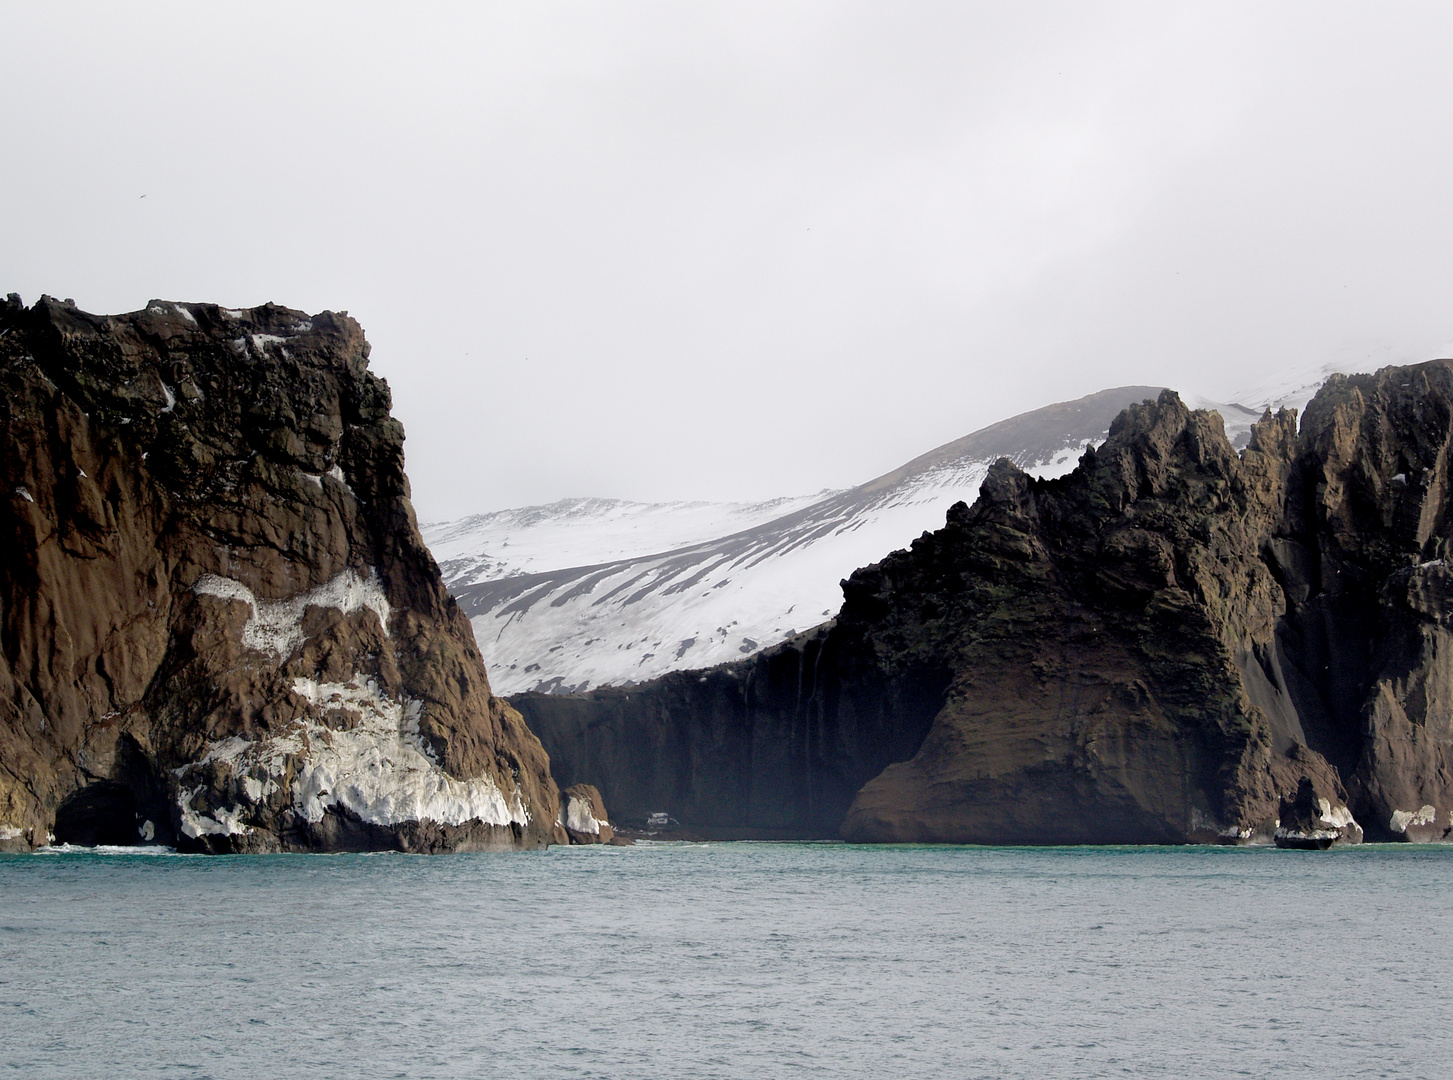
{"points": [[378, 767], [578, 817], [1401, 819], [275, 626]]}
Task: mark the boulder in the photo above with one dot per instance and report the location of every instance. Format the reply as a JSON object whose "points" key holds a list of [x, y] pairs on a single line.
{"points": [[1313, 821], [583, 816]]}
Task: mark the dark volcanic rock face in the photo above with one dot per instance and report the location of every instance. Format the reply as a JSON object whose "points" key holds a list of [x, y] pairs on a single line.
{"points": [[773, 747], [220, 625], [1167, 645]]}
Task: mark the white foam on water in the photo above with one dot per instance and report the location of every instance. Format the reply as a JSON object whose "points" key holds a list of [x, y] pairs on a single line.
{"points": [[1313, 834], [53, 848]]}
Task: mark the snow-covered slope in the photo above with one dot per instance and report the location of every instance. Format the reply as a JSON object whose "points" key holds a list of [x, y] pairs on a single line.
{"points": [[1246, 407], [588, 592], [485, 547]]}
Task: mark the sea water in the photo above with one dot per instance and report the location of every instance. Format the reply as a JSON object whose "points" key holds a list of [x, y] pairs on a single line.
{"points": [[731, 960]]}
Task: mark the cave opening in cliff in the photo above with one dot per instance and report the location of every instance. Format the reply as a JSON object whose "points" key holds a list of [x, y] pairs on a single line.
{"points": [[103, 812]]}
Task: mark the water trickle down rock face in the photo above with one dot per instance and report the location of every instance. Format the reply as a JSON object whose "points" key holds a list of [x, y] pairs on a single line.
{"points": [[1163, 646], [220, 626]]}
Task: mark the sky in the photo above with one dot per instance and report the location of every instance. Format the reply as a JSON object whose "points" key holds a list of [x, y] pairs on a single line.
{"points": [[738, 250]]}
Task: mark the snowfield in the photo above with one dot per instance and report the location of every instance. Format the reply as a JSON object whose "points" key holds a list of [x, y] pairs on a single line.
{"points": [[591, 592]]}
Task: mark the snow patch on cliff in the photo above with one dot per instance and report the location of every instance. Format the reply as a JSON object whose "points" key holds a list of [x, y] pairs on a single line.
{"points": [[1337, 816], [1401, 819], [275, 626], [382, 770], [225, 821], [577, 816], [378, 767]]}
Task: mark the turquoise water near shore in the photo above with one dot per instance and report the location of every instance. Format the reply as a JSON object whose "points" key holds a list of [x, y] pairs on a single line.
{"points": [[731, 960]]}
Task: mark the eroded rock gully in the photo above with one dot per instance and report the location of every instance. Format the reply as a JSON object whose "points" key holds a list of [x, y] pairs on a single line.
{"points": [[221, 628], [1173, 643]]}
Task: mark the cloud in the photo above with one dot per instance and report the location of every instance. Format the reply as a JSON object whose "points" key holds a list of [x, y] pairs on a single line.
{"points": [[735, 250]]}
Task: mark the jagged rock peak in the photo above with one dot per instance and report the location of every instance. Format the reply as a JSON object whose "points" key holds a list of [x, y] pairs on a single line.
{"points": [[1173, 643], [220, 626]]}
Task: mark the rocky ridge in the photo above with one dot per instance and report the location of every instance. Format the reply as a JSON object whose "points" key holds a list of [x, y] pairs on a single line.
{"points": [[560, 616], [220, 627], [1176, 642]]}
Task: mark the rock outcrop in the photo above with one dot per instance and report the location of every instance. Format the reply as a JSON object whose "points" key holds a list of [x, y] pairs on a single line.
{"points": [[1173, 643], [220, 627], [583, 817], [1309, 821]]}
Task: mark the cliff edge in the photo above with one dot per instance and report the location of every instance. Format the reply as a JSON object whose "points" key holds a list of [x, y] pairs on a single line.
{"points": [[1174, 643], [220, 626]]}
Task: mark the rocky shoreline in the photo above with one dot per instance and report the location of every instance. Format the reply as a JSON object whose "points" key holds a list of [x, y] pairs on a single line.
{"points": [[222, 631]]}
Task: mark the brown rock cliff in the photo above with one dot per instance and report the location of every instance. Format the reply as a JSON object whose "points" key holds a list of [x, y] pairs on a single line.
{"points": [[220, 626]]}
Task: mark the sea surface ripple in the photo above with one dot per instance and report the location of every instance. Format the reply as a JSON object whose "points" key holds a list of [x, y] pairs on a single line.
{"points": [[731, 960]]}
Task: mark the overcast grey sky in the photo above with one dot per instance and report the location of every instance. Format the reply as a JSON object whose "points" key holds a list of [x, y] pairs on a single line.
{"points": [[736, 250]]}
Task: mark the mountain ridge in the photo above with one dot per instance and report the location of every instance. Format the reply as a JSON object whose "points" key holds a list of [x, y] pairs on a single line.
{"points": [[624, 620], [1176, 642]]}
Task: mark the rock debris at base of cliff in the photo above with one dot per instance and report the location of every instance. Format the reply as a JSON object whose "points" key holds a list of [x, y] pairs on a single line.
{"points": [[221, 629], [1174, 643]]}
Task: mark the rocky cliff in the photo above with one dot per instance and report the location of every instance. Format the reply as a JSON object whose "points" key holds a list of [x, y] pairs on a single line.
{"points": [[1176, 642], [218, 624]]}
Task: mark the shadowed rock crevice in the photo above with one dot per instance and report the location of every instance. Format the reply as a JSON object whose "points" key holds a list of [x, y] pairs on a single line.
{"points": [[103, 812], [768, 747]]}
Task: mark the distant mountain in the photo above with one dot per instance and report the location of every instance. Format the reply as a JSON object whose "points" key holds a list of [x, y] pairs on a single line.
{"points": [[1175, 643], [592, 592], [1289, 390]]}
